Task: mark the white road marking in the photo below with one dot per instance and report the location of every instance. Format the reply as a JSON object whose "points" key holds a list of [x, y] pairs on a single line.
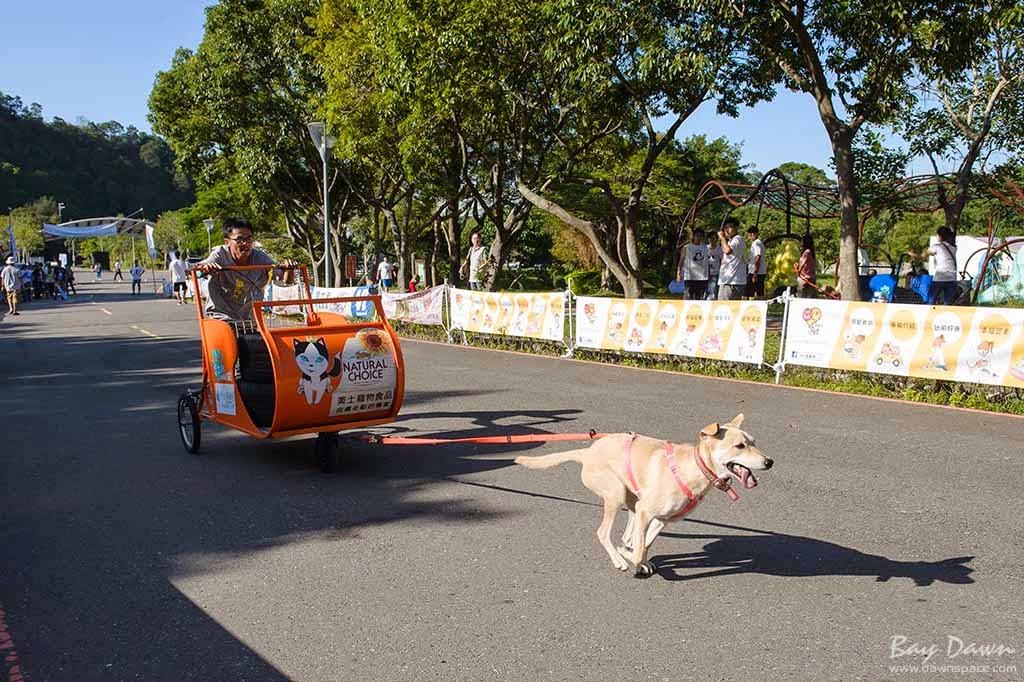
{"points": [[147, 333], [106, 311]]}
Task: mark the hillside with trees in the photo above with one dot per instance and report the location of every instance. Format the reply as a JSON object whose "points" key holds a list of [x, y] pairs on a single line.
{"points": [[95, 169]]}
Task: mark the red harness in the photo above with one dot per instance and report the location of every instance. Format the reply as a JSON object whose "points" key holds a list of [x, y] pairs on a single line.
{"points": [[722, 484]]}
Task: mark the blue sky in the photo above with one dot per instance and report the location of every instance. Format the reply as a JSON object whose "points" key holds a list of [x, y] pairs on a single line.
{"points": [[99, 59]]}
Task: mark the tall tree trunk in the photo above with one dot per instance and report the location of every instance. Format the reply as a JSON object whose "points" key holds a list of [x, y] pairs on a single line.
{"points": [[849, 226]]}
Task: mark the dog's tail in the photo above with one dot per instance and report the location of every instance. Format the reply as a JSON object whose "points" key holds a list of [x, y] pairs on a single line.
{"points": [[553, 460]]}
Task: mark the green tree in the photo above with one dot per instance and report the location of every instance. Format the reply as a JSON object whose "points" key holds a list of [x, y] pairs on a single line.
{"points": [[964, 117], [856, 60], [239, 105]]}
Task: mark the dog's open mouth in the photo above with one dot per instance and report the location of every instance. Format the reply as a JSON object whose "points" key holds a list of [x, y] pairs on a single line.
{"points": [[743, 473]]}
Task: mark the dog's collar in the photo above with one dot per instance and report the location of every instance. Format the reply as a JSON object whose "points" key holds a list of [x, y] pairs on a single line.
{"points": [[723, 483]]}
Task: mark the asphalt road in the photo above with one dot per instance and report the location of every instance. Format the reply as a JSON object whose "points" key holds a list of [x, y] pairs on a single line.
{"points": [[124, 558]]}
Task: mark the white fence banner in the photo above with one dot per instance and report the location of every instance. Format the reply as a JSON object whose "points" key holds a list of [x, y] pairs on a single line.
{"points": [[421, 307], [275, 292], [354, 310], [982, 345], [719, 330], [532, 315]]}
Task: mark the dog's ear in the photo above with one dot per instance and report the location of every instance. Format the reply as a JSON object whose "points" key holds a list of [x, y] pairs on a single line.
{"points": [[736, 421], [711, 430]]}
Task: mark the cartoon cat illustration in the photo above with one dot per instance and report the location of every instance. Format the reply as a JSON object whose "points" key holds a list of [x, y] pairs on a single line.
{"points": [[312, 361], [853, 345]]}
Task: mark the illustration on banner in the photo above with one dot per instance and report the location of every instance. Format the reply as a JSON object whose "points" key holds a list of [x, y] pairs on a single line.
{"points": [[311, 357]]}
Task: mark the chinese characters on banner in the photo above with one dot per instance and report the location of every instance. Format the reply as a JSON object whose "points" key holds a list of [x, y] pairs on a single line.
{"points": [[422, 307], [720, 330], [369, 375], [537, 316], [982, 345]]}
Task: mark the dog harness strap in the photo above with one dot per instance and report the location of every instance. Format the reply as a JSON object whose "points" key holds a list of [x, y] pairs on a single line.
{"points": [[670, 456], [720, 483], [629, 465]]}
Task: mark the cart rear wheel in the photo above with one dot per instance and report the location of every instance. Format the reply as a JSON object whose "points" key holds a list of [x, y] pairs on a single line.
{"points": [[327, 456], [189, 426]]}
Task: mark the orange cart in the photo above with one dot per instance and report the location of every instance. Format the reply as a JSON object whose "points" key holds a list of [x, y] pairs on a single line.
{"points": [[306, 371]]}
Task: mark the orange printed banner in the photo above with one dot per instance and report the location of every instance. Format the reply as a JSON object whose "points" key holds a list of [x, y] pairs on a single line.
{"points": [[537, 315], [719, 330], [970, 344]]}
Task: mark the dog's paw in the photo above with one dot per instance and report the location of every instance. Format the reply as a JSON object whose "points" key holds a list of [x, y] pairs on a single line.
{"points": [[621, 564], [644, 570]]}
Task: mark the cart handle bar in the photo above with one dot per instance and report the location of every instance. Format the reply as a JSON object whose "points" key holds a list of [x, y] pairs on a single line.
{"points": [[311, 301], [497, 440], [222, 268]]}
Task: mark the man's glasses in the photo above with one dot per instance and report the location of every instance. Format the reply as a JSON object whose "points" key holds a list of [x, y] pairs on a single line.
{"points": [[241, 240]]}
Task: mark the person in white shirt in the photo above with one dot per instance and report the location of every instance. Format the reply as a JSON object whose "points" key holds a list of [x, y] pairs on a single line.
{"points": [[732, 275], [944, 289], [693, 267], [757, 266], [385, 273], [136, 273], [179, 278], [474, 261]]}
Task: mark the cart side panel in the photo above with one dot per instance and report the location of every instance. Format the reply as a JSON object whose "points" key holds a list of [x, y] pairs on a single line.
{"points": [[220, 354], [335, 374]]}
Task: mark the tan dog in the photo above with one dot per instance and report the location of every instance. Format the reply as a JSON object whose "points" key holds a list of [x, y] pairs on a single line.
{"points": [[657, 481]]}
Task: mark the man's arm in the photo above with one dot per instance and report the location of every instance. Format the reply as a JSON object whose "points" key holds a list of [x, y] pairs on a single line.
{"points": [[726, 249]]}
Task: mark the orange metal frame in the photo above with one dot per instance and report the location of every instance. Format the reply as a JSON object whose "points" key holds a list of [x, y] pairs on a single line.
{"points": [[293, 414]]}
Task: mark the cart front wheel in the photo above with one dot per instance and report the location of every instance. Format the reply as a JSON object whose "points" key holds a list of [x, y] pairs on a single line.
{"points": [[188, 422], [327, 452]]}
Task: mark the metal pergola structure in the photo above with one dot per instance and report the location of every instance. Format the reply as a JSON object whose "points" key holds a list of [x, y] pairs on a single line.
{"points": [[775, 191]]}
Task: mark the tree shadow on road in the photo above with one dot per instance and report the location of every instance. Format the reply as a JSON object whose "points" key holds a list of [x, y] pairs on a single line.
{"points": [[106, 513], [794, 556]]}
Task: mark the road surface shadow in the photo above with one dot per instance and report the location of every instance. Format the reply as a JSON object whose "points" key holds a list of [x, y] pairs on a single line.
{"points": [[105, 514], [794, 556]]}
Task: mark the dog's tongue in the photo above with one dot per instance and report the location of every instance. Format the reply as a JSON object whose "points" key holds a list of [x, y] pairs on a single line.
{"points": [[748, 478]]}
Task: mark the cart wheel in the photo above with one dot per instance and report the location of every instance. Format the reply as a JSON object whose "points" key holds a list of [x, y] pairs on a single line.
{"points": [[895, 363], [188, 423], [327, 452]]}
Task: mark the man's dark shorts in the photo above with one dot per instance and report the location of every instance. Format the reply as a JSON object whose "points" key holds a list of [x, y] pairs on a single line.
{"points": [[696, 289], [181, 286], [755, 289]]}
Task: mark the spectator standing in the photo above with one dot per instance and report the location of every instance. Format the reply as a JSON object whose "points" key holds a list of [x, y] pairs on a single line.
{"points": [[38, 281], [117, 271], [757, 266], [693, 267], [385, 273], [732, 276], [26, 284], [98, 269], [944, 289], [11, 280], [413, 283], [714, 265], [179, 278], [136, 273], [474, 261], [51, 281], [71, 280], [807, 270]]}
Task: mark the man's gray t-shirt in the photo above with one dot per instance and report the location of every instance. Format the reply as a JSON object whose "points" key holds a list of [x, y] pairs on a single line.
{"points": [[233, 291]]}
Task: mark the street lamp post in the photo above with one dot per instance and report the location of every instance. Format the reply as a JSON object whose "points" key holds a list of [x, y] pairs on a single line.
{"points": [[323, 143], [209, 228]]}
